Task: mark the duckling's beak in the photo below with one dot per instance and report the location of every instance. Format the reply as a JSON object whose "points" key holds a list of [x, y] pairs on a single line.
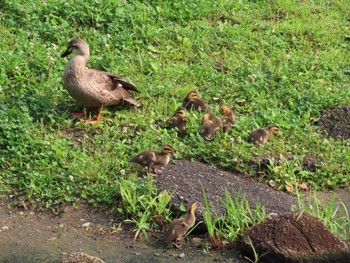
{"points": [[67, 52]]}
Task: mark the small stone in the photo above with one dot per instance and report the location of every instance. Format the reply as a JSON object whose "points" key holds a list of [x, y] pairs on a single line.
{"points": [[182, 255], [197, 242], [86, 225], [61, 225], [4, 228]]}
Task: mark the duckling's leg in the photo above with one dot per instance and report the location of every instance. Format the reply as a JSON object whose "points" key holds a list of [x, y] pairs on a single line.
{"points": [[150, 169], [178, 243], [153, 170], [99, 111]]}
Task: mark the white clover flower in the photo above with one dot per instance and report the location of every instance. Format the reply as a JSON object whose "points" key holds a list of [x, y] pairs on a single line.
{"points": [[71, 178], [122, 172]]}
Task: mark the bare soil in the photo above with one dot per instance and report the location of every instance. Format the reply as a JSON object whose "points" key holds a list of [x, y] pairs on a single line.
{"points": [[336, 122], [30, 237], [186, 180]]}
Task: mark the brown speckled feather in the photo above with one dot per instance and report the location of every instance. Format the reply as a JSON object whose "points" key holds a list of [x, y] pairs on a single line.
{"points": [[92, 87]]}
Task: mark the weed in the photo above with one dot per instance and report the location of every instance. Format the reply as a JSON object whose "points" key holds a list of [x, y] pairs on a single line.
{"points": [[238, 217], [145, 209], [334, 215]]}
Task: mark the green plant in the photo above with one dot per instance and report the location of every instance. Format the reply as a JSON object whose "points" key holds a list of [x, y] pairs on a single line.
{"points": [[145, 209], [334, 215], [238, 217], [257, 257]]}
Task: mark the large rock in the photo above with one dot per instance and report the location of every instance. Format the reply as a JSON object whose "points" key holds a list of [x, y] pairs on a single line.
{"points": [[295, 237]]}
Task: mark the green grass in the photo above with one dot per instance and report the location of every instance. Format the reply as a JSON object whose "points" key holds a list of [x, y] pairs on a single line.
{"points": [[334, 215], [275, 65], [238, 217]]}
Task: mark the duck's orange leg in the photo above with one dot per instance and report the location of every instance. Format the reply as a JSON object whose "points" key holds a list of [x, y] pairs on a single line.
{"points": [[81, 114], [99, 112]]}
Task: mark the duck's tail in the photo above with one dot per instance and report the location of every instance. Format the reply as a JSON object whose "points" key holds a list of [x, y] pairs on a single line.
{"points": [[132, 101]]}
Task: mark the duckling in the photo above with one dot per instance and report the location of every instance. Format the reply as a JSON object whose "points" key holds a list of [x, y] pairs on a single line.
{"points": [[192, 101], [179, 121], [260, 136], [179, 227], [228, 119], [91, 87], [152, 158], [211, 124]]}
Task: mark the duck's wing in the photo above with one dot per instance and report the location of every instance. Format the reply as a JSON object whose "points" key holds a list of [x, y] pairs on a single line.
{"points": [[120, 81], [116, 80], [145, 158]]}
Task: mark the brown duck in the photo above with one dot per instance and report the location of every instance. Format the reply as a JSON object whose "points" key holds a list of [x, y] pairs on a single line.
{"points": [[93, 88], [192, 101], [260, 136], [180, 226], [152, 158], [179, 121], [211, 124], [228, 118]]}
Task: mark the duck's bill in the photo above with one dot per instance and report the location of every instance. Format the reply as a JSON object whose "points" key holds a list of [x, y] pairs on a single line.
{"points": [[66, 53]]}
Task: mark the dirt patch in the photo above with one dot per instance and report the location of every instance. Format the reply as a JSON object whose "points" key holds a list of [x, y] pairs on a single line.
{"points": [[336, 122], [31, 237], [185, 180], [295, 237]]}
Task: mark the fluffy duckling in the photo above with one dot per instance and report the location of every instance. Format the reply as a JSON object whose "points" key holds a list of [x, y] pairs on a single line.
{"points": [[192, 101], [228, 118], [91, 87], [211, 124], [260, 136], [179, 227], [152, 158], [179, 121]]}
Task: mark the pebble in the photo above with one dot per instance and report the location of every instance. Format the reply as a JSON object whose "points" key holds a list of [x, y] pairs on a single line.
{"points": [[86, 224], [5, 228], [182, 255]]}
